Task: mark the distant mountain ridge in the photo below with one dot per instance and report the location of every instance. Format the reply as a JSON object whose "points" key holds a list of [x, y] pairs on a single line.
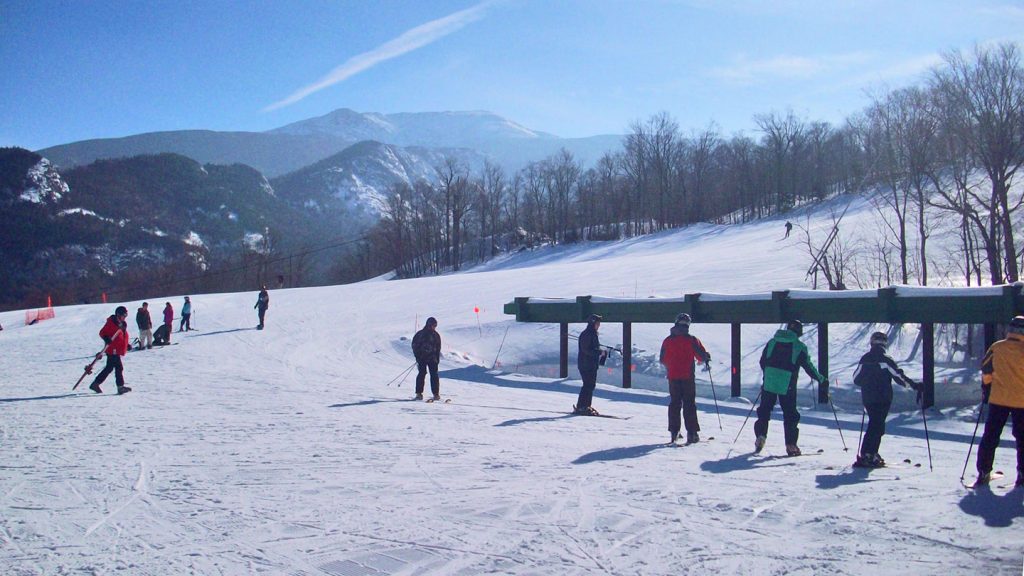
{"points": [[351, 185], [300, 144]]}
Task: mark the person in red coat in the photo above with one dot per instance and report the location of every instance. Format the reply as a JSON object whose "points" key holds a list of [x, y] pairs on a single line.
{"points": [[678, 353], [169, 320], [115, 334]]}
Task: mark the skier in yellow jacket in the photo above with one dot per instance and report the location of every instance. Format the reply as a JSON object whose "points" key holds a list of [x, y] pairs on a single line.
{"points": [[1002, 387]]}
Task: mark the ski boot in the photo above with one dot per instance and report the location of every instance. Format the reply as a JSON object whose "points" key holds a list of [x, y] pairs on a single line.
{"points": [[123, 390], [95, 387], [983, 479], [759, 444], [675, 437], [418, 397], [436, 397], [792, 450], [692, 438]]}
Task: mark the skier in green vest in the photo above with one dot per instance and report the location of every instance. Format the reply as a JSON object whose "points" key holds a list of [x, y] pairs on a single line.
{"points": [[781, 361]]}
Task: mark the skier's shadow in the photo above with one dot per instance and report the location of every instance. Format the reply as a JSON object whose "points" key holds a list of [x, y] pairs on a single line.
{"points": [[847, 478], [39, 398], [620, 453], [519, 421], [368, 402], [998, 510], [744, 461], [220, 332]]}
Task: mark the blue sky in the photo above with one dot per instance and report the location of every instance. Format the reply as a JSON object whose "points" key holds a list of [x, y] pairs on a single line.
{"points": [[74, 69]]}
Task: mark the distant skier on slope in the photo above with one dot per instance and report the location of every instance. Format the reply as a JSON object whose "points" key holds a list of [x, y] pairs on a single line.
{"points": [[874, 376], [590, 355], [262, 303], [115, 335], [679, 351], [426, 347], [781, 361], [186, 316], [1002, 387]]}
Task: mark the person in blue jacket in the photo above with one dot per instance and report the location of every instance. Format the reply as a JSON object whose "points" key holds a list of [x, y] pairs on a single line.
{"points": [[589, 357], [781, 361], [186, 316]]}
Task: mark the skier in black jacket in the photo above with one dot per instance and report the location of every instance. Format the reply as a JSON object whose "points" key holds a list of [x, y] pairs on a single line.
{"points": [[262, 303], [874, 375], [426, 347], [589, 357]]}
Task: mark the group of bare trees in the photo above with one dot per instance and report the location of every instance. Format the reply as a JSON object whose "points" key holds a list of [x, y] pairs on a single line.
{"points": [[951, 146]]}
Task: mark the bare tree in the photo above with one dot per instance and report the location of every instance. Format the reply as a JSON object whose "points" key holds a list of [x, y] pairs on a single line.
{"points": [[989, 90]]}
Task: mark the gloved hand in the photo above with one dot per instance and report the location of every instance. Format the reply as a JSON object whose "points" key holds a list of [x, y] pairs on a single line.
{"points": [[707, 365], [985, 392], [824, 380], [603, 357], [99, 355]]}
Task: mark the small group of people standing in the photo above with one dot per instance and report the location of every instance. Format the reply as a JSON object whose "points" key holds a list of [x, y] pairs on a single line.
{"points": [[162, 336], [782, 359]]}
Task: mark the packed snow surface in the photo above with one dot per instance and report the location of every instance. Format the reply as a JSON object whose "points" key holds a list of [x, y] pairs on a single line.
{"points": [[298, 450]]}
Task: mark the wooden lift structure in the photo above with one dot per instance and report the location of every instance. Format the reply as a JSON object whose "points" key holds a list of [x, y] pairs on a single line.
{"points": [[988, 306]]}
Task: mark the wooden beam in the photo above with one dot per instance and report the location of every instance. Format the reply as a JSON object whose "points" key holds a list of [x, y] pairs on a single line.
{"points": [[823, 362], [737, 357], [627, 354], [928, 364], [563, 350]]}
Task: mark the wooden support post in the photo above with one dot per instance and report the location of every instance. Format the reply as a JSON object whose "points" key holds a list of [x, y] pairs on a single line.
{"points": [[928, 364], [627, 354], [735, 391], [990, 337], [823, 362], [563, 350]]}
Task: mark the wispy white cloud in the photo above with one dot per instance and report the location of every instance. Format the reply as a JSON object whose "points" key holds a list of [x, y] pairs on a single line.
{"points": [[744, 70], [412, 39]]}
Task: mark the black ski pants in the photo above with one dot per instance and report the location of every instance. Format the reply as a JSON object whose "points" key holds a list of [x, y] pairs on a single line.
{"points": [[586, 397], [113, 365], [877, 413], [262, 313], [186, 323], [997, 417], [790, 415], [421, 376], [682, 396]]}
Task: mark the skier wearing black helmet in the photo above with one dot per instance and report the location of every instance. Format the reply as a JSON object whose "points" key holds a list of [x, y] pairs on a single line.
{"points": [[115, 335], [1002, 387], [874, 375], [781, 361], [679, 351], [589, 357]]}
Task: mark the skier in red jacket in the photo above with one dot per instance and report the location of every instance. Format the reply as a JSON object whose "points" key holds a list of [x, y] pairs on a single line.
{"points": [[678, 353], [115, 334]]}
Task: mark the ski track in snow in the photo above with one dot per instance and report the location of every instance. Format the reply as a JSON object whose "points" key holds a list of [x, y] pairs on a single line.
{"points": [[284, 451]]}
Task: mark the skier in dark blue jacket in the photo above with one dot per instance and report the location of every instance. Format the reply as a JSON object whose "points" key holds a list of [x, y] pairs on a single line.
{"points": [[874, 376], [590, 356]]}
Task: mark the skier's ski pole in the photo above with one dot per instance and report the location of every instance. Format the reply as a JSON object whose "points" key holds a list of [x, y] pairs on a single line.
{"points": [[748, 416], [96, 358], [973, 436], [402, 375], [860, 437], [840, 428], [926, 439], [499, 347], [714, 395]]}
